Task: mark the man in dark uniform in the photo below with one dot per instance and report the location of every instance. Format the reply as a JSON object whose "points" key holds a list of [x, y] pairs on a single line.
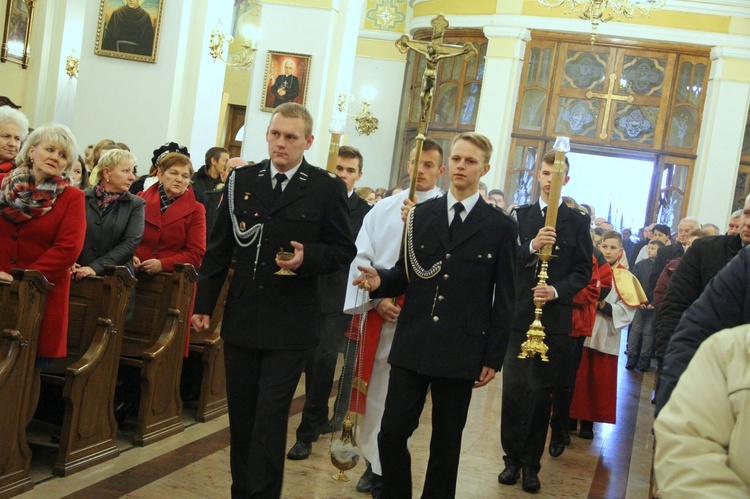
{"points": [[320, 365], [453, 329], [271, 321], [528, 383]]}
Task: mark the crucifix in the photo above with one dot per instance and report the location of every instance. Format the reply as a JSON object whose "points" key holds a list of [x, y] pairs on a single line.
{"points": [[609, 96], [434, 51]]}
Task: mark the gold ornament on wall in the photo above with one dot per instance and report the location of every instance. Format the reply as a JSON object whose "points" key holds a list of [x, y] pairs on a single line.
{"points": [[71, 65], [242, 60]]}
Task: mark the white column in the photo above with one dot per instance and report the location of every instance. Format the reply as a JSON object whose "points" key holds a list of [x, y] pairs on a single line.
{"points": [[497, 103], [721, 135], [288, 28], [143, 104]]}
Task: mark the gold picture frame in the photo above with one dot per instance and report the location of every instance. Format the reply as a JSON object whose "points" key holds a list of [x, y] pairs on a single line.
{"points": [[19, 15], [278, 85], [141, 19]]}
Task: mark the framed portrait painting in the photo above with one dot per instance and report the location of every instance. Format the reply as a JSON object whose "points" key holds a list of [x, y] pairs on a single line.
{"points": [[286, 79], [129, 29], [18, 17]]}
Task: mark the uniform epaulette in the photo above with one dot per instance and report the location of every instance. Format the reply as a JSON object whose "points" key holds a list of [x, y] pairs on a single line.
{"points": [[323, 171]]}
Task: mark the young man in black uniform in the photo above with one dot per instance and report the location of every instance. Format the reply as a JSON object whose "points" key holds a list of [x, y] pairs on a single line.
{"points": [[453, 329], [528, 383], [271, 321]]}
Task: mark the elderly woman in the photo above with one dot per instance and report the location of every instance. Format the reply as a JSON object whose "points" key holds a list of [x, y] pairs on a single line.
{"points": [[42, 225], [13, 129], [114, 217], [175, 229]]}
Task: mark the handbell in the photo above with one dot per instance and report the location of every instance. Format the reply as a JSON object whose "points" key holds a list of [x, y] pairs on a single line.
{"points": [[344, 452]]}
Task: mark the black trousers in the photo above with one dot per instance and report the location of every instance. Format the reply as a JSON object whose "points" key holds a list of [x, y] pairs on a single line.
{"points": [[527, 398], [320, 370], [562, 395], [260, 388], [407, 391]]}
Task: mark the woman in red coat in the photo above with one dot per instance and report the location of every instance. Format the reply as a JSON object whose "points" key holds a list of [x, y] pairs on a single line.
{"points": [[175, 229], [13, 129], [43, 225]]}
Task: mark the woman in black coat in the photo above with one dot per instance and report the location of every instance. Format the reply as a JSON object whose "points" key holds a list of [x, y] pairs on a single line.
{"points": [[114, 217]]}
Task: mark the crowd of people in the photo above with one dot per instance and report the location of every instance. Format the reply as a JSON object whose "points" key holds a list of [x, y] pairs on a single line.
{"points": [[441, 311]]}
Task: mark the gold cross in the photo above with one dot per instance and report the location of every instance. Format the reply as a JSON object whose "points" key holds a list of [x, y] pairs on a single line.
{"points": [[609, 96]]}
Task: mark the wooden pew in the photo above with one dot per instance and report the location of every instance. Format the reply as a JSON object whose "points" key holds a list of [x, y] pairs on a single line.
{"points": [[154, 342], [88, 374], [21, 310], [212, 401]]}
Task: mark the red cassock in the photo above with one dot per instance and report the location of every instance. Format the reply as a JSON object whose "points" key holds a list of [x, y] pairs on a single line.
{"points": [[176, 236], [50, 244]]}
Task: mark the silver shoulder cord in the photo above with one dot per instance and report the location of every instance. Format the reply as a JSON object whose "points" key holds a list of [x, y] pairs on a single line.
{"points": [[412, 256], [244, 238]]}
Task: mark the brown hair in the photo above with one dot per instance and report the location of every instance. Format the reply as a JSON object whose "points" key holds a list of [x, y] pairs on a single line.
{"points": [[478, 140], [351, 153], [174, 159], [612, 234], [294, 110], [549, 158], [429, 144]]}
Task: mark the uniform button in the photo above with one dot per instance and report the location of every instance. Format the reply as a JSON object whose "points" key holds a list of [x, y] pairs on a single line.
{"points": [[98, 222], [265, 239], [262, 264], [13, 259], [479, 256], [489, 255], [435, 318], [268, 218], [441, 298], [447, 256], [260, 287], [445, 276], [304, 216], [421, 246]]}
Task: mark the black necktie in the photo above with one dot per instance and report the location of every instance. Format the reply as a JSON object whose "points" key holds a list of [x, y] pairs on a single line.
{"points": [[280, 178], [544, 213], [456, 223]]}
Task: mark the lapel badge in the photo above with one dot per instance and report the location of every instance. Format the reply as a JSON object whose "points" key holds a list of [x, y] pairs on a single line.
{"points": [[256, 214], [247, 196], [242, 225]]}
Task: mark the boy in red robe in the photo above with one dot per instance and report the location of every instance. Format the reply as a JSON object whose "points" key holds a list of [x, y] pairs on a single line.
{"points": [[595, 394]]}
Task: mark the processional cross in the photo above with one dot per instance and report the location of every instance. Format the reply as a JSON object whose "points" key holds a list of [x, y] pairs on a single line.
{"points": [[609, 96], [434, 51]]}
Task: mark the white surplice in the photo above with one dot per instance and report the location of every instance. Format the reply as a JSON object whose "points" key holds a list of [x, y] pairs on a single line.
{"points": [[378, 246]]}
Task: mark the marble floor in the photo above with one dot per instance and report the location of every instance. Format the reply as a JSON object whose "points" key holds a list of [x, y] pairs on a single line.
{"points": [[195, 463]]}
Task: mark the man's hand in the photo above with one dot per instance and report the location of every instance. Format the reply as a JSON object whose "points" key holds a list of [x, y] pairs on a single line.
{"points": [[369, 280], [150, 266], [200, 322], [545, 236], [544, 293], [388, 311], [281, 92], [297, 259], [81, 272], [406, 208], [4, 276], [487, 375]]}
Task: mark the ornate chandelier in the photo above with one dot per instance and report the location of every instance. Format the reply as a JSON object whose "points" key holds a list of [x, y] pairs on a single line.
{"points": [[601, 11]]}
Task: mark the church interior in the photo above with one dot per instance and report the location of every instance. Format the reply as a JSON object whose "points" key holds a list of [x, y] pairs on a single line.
{"points": [[671, 88]]}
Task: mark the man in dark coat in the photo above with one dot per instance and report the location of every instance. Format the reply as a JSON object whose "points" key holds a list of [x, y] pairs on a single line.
{"points": [[707, 256], [320, 365], [453, 329], [674, 250], [725, 303], [208, 176], [130, 30], [270, 321], [528, 383]]}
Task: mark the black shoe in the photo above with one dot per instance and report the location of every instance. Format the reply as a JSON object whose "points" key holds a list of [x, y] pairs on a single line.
{"points": [[556, 445], [509, 476], [630, 364], [587, 430], [376, 486], [365, 481], [566, 439], [643, 369], [530, 481], [300, 451]]}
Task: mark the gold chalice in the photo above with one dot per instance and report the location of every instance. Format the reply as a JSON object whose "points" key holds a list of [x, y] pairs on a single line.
{"points": [[284, 256]]}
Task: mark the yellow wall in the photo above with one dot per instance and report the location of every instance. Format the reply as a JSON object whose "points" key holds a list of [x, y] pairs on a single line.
{"points": [[13, 77]]}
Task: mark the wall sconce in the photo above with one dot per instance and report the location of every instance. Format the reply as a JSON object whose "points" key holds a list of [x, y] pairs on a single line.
{"points": [[365, 122], [71, 65], [244, 60]]}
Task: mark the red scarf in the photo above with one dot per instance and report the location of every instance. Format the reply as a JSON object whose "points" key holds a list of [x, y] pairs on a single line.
{"points": [[21, 199]]}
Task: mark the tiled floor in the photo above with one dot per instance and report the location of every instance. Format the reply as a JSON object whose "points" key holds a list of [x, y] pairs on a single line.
{"points": [[196, 463]]}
